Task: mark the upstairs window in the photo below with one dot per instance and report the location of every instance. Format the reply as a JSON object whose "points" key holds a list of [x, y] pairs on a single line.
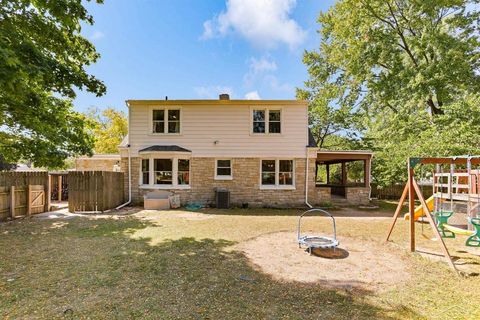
{"points": [[259, 121], [173, 121], [267, 121], [274, 124], [158, 121], [166, 121]]}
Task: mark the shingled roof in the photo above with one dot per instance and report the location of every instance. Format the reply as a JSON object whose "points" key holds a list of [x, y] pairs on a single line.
{"points": [[164, 149]]}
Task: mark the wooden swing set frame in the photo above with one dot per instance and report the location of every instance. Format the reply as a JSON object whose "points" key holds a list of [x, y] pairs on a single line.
{"points": [[411, 189]]}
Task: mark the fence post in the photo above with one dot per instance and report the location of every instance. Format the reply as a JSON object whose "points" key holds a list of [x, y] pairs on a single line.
{"points": [[12, 201], [71, 192], [48, 195], [29, 200], [59, 187]]}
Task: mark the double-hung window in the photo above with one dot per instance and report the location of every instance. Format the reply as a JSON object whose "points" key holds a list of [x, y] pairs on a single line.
{"points": [[166, 121], [277, 173], [223, 169], [183, 175], [145, 171], [266, 121], [268, 172]]}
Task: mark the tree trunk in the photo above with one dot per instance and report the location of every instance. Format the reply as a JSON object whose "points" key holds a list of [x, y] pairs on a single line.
{"points": [[434, 110]]}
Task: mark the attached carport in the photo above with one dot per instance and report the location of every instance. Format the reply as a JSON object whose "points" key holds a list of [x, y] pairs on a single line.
{"points": [[344, 174]]}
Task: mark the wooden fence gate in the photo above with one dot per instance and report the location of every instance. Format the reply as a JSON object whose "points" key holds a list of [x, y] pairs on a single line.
{"points": [[94, 190], [23, 193], [59, 186]]}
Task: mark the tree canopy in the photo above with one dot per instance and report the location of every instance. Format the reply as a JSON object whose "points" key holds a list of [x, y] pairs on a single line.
{"points": [[109, 129], [42, 61], [403, 73]]}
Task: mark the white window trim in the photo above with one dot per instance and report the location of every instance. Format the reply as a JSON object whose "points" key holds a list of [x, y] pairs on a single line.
{"points": [[165, 123], [223, 177], [174, 185], [277, 186], [266, 109]]}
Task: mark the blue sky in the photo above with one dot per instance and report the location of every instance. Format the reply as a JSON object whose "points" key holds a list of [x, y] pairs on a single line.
{"points": [[190, 49]]}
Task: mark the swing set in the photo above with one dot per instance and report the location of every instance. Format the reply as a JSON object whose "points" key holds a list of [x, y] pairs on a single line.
{"points": [[454, 188]]}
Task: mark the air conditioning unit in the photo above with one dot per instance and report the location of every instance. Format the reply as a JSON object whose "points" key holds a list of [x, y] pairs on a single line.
{"points": [[222, 198]]}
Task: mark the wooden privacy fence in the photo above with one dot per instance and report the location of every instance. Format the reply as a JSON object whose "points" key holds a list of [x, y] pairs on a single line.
{"points": [[394, 192], [94, 190], [23, 193]]}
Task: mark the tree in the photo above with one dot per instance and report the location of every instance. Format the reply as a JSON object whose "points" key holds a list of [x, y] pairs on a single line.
{"points": [[398, 66], [109, 129], [332, 127], [42, 61], [5, 166]]}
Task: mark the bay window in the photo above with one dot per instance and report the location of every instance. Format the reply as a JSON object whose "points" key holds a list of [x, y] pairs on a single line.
{"points": [[183, 176], [159, 172], [277, 173], [163, 171], [145, 171]]}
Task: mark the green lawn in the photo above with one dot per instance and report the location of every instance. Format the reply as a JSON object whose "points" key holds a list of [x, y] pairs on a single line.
{"points": [[179, 265]]}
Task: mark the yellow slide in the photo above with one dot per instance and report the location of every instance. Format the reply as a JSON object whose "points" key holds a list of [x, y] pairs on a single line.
{"points": [[419, 210]]}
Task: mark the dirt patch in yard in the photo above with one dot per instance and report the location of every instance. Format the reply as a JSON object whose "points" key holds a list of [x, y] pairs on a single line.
{"points": [[356, 264]]}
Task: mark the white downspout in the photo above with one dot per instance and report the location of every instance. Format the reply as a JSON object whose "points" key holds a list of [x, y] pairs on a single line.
{"points": [[129, 165], [129, 181], [306, 182]]}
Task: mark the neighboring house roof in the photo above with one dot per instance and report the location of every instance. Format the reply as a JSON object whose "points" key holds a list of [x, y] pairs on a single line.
{"points": [[22, 167], [106, 156], [164, 149], [216, 102], [124, 143]]}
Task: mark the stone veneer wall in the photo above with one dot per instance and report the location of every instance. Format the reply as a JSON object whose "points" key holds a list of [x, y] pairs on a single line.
{"points": [[358, 195], [244, 188]]}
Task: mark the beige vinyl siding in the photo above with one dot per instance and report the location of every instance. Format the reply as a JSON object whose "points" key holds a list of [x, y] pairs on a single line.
{"points": [[230, 125]]}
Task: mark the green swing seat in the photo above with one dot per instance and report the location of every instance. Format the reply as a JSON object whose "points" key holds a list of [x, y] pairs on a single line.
{"points": [[448, 231]]}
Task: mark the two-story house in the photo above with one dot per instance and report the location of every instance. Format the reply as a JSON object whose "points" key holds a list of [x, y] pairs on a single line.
{"points": [[259, 150]]}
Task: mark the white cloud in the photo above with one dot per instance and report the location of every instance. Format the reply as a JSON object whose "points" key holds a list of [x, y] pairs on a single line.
{"points": [[212, 92], [208, 30], [253, 95], [257, 67], [275, 85], [97, 35], [262, 64], [265, 23]]}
